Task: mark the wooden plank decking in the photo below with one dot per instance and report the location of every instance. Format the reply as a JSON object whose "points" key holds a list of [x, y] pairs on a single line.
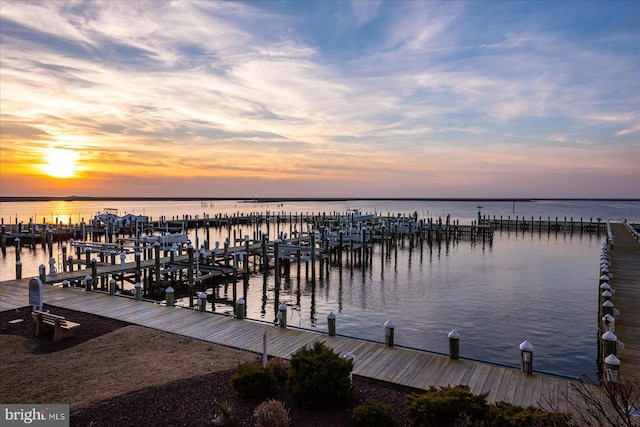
{"points": [[406, 367], [625, 267]]}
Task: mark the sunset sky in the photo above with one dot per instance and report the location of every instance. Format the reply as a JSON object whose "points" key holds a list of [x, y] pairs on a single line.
{"points": [[320, 99]]}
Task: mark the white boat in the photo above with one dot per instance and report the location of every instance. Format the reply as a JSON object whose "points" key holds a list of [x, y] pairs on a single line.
{"points": [[110, 216], [166, 239]]}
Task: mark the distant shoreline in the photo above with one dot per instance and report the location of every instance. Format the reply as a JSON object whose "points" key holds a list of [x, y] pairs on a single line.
{"points": [[291, 199]]}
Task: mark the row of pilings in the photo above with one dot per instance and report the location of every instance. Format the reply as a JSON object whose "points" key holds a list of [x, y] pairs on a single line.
{"points": [[608, 343]]}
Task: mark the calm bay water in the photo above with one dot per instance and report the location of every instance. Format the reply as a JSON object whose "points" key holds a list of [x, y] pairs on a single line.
{"points": [[538, 287]]}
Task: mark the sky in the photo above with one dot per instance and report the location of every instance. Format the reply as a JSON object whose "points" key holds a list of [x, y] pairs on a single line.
{"points": [[371, 99]]}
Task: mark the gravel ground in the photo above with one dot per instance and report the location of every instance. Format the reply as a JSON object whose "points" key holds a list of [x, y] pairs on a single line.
{"points": [[188, 401]]}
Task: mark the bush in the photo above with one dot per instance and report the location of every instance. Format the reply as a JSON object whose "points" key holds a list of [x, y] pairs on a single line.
{"points": [[443, 406], [280, 368], [505, 414], [252, 380], [319, 378], [271, 414], [372, 413]]}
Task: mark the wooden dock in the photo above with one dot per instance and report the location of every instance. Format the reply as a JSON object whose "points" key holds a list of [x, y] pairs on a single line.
{"points": [[402, 366], [406, 367], [625, 267]]}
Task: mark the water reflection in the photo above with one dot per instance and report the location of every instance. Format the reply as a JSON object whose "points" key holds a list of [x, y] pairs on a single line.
{"points": [[520, 286]]}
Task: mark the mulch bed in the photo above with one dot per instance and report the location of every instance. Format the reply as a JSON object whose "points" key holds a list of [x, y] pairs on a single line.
{"points": [[190, 401]]}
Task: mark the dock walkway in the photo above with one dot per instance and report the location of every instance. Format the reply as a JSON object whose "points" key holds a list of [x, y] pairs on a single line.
{"points": [[406, 367], [625, 267]]}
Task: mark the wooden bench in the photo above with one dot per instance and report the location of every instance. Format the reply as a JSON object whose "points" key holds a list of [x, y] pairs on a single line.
{"points": [[45, 322]]}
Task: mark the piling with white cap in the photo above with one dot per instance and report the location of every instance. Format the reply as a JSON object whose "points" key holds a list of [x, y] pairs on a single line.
{"points": [[42, 270], [389, 328], [202, 301], [454, 344], [282, 315], [608, 323], [331, 324], [138, 291], [52, 267], [611, 368], [350, 356], [526, 357], [609, 343], [169, 295], [240, 308]]}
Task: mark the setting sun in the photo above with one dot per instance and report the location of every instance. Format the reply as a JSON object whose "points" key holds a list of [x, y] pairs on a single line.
{"points": [[60, 162]]}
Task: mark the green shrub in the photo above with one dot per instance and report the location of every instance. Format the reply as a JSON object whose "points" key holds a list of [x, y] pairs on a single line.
{"points": [[318, 377], [505, 414], [253, 380], [372, 414], [271, 413], [443, 406], [280, 368]]}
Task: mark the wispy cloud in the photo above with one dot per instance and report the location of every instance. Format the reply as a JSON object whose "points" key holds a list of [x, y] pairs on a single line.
{"points": [[254, 89]]}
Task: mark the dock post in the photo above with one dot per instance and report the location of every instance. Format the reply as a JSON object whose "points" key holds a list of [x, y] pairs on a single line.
{"points": [[94, 273], [526, 358], [240, 309], [87, 283], [52, 267], [454, 344], [265, 355], [352, 358], [16, 243], [276, 260], [190, 274], [607, 308], [138, 265], [265, 257], [3, 239], [389, 328], [611, 368], [169, 295], [156, 247], [43, 273], [609, 344], [64, 257], [112, 286], [138, 291], [331, 322], [245, 264], [282, 315], [608, 323], [202, 302], [313, 256]]}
